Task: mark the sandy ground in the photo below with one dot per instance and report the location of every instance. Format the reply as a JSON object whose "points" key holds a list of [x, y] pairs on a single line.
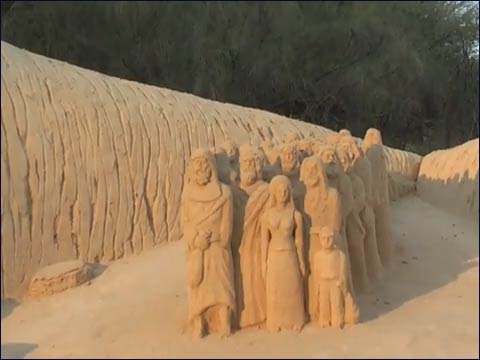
{"points": [[426, 306]]}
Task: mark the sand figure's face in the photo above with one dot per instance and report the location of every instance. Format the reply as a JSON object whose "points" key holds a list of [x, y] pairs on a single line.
{"points": [[282, 193], [248, 170], [289, 158], [281, 190], [345, 161], [350, 149], [329, 160], [309, 172], [305, 147], [327, 238], [202, 172], [231, 150]]}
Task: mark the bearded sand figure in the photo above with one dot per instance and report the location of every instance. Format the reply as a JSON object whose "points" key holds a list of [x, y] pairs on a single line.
{"points": [[283, 254], [227, 163], [373, 148], [252, 303], [322, 207], [342, 183], [290, 166], [305, 148], [207, 216], [329, 279], [361, 167]]}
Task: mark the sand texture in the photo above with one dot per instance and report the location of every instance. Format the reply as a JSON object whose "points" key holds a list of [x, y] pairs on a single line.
{"points": [[426, 307], [92, 166], [449, 179]]}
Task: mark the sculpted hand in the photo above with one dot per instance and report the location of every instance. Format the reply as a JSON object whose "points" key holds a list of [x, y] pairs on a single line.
{"points": [[203, 240]]}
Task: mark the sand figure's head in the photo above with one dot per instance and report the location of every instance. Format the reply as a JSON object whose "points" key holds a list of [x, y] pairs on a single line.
{"points": [[251, 164], [289, 158], [327, 238], [202, 168], [333, 139], [349, 146], [292, 137], [329, 159], [312, 173], [344, 160], [231, 149], [372, 137], [305, 147], [345, 132], [281, 192]]}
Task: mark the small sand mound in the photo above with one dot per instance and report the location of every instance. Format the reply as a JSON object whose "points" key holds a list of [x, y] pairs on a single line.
{"points": [[59, 277], [449, 179]]}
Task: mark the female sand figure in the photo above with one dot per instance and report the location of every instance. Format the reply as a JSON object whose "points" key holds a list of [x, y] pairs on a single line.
{"points": [[284, 266]]}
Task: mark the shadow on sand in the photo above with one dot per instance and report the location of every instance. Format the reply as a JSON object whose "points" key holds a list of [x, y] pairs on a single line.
{"points": [[17, 350], [433, 248]]}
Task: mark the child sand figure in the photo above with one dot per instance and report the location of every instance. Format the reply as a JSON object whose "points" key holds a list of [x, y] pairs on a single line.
{"points": [[329, 279]]}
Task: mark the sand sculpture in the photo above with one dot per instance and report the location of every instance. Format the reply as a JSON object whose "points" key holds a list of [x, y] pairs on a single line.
{"points": [[207, 219], [284, 263], [252, 307], [109, 156], [360, 166], [372, 146], [322, 206], [354, 226], [227, 160], [290, 166], [329, 284]]}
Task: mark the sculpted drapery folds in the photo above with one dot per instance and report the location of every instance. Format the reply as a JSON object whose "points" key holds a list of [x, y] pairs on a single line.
{"points": [[373, 148], [342, 183], [284, 264], [362, 168], [329, 284], [252, 284], [322, 208], [207, 217], [355, 230]]}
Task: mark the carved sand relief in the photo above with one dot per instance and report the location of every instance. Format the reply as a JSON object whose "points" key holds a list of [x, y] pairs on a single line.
{"points": [[285, 251]]}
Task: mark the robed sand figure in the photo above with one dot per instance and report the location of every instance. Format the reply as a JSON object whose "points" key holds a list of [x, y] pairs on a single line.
{"points": [[252, 305], [207, 217]]}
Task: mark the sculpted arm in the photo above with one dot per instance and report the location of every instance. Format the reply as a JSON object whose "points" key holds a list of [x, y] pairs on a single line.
{"points": [[265, 240], [299, 240]]}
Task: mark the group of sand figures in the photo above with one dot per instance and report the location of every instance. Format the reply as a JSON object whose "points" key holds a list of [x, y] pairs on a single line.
{"points": [[279, 236]]}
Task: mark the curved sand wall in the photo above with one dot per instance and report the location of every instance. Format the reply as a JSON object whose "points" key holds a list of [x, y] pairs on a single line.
{"points": [[92, 166], [449, 179]]}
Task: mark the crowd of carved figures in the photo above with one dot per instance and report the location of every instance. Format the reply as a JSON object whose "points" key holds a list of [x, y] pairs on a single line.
{"points": [[278, 236]]}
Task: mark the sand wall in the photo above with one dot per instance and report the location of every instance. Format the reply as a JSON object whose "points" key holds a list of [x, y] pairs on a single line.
{"points": [[92, 166], [449, 179]]}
